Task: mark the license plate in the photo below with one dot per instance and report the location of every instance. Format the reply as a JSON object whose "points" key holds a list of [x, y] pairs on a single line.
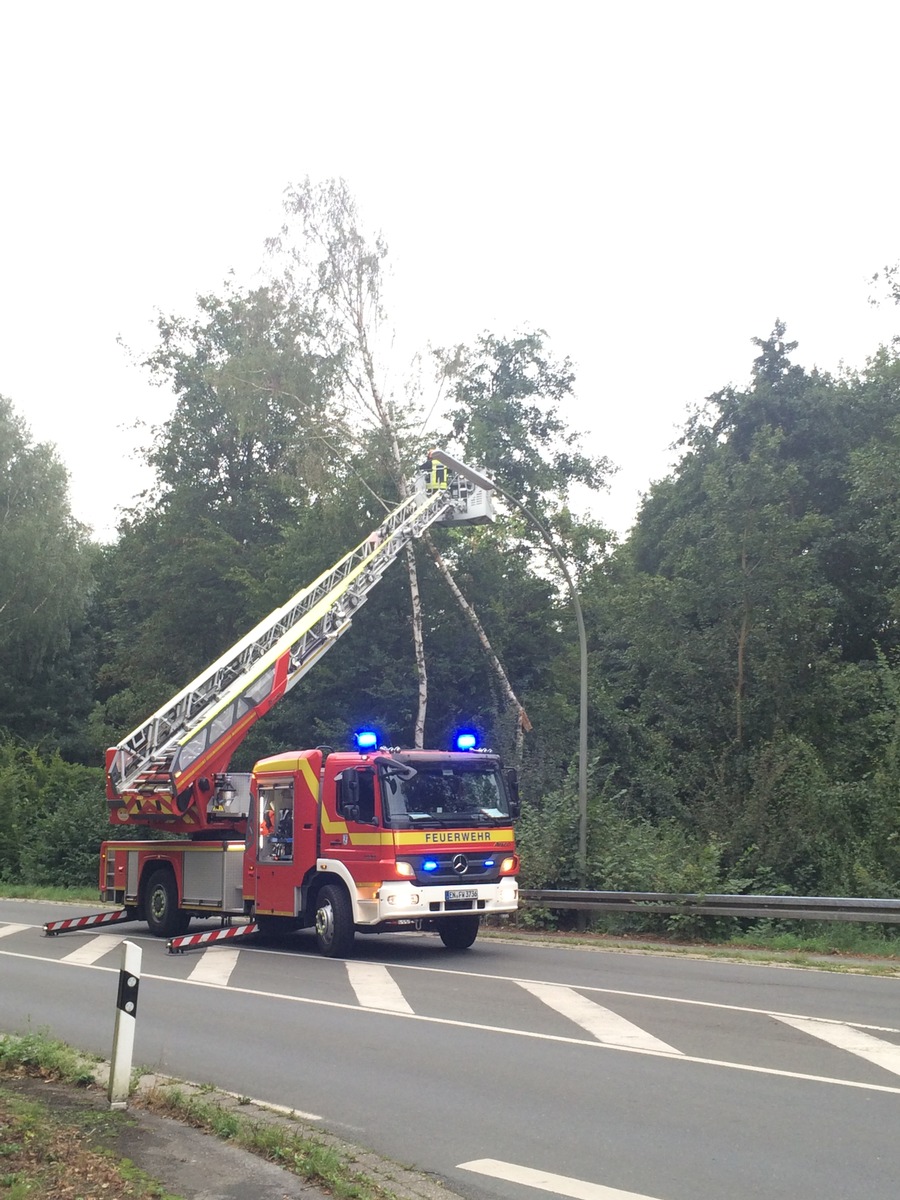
{"points": [[461, 894]]}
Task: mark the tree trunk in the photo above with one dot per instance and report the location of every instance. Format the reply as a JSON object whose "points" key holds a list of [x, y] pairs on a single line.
{"points": [[744, 633], [387, 424], [523, 723]]}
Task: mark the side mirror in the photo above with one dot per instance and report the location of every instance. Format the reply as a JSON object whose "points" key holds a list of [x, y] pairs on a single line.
{"points": [[355, 800], [512, 784], [348, 794]]}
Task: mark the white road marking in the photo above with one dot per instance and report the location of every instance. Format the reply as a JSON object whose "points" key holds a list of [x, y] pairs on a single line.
{"points": [[604, 991], [6, 930], [605, 1025], [215, 965], [559, 1185], [315, 961], [600, 1047], [375, 988], [89, 952], [523, 1033], [845, 1037], [284, 1109]]}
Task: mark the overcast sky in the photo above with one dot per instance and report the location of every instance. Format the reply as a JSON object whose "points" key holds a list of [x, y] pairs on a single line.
{"points": [[652, 183]]}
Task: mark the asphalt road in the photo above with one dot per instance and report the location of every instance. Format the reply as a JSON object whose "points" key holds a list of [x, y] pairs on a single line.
{"points": [[511, 1070]]}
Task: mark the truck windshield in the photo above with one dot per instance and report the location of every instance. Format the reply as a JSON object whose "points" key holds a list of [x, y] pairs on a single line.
{"points": [[445, 794]]}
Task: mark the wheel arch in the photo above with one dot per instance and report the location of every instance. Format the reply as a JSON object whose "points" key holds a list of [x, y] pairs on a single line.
{"points": [[329, 870], [149, 867]]}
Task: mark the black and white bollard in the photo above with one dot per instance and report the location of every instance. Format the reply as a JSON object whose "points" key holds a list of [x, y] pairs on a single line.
{"points": [[123, 1038]]}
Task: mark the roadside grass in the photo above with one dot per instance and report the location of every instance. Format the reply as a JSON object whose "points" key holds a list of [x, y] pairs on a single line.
{"points": [[811, 937], [49, 1154], [311, 1158], [873, 948], [36, 1053], [65, 895], [44, 1156]]}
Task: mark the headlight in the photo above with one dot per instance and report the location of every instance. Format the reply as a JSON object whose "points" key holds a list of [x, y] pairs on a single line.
{"points": [[406, 870]]}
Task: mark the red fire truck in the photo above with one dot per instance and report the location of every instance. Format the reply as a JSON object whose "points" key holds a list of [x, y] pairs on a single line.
{"points": [[372, 840]]}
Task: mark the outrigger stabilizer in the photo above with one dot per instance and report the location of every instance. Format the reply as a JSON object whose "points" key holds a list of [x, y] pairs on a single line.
{"points": [[190, 941], [52, 928], [176, 945]]}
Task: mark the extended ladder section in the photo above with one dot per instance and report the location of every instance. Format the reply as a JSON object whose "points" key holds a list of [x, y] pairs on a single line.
{"points": [[169, 768]]}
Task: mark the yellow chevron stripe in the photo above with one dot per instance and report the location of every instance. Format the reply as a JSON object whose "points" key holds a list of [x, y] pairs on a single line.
{"points": [[309, 776]]}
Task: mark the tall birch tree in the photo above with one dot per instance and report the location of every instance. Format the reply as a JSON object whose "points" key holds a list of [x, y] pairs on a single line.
{"points": [[339, 270]]}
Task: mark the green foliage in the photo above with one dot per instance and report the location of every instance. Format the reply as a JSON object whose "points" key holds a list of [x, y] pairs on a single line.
{"points": [[505, 416], [52, 818], [822, 937], [745, 632], [506, 395], [624, 853], [42, 1054], [45, 585]]}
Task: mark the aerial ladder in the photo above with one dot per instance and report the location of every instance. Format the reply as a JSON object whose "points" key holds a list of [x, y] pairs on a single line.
{"points": [[171, 771]]}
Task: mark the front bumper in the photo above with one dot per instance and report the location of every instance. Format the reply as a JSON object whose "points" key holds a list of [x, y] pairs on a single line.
{"points": [[408, 901]]}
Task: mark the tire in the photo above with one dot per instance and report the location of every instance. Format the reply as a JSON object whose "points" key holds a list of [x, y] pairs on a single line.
{"points": [[458, 933], [164, 917], [334, 922]]}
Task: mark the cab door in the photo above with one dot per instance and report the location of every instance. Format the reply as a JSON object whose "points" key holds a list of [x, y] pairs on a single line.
{"points": [[272, 854], [356, 835]]}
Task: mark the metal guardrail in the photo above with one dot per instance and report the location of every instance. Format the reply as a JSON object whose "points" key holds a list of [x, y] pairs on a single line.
{"points": [[787, 908]]}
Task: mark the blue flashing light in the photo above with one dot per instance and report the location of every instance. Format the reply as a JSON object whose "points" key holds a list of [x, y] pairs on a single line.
{"points": [[466, 740], [366, 739], [429, 865], [488, 862]]}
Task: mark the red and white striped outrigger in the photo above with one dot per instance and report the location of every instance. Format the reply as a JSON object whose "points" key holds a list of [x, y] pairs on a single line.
{"points": [[52, 928], [189, 941]]}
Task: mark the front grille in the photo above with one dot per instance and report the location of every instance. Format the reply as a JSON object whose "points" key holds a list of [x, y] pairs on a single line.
{"points": [[446, 874]]}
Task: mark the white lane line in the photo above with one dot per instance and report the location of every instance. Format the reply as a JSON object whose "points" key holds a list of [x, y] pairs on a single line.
{"points": [[375, 988], [601, 1048], [91, 951], [874, 1050], [605, 1025], [6, 930], [559, 1185], [215, 965]]}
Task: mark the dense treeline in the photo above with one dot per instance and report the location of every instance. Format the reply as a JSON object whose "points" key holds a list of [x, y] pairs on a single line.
{"points": [[744, 691], [746, 634]]}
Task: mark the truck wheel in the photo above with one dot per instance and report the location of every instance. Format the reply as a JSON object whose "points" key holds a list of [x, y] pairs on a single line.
{"points": [[164, 917], [334, 922], [458, 933]]}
